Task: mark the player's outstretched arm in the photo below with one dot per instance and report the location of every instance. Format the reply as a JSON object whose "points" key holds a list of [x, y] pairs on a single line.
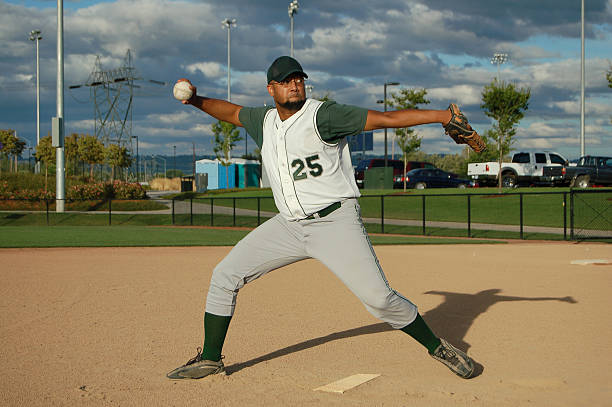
{"points": [[217, 108], [405, 118]]}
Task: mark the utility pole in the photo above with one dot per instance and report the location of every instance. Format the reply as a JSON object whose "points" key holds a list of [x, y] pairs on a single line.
{"points": [[384, 101], [293, 9], [58, 122], [499, 58], [582, 148], [35, 36], [227, 23]]}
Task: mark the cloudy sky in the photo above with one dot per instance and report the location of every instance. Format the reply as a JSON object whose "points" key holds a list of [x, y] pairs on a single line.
{"points": [[349, 48]]}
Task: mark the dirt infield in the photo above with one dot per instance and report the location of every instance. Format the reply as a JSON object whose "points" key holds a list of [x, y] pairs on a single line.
{"points": [[103, 326]]}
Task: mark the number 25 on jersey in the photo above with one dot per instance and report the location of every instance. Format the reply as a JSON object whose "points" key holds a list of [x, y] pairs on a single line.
{"points": [[299, 167]]}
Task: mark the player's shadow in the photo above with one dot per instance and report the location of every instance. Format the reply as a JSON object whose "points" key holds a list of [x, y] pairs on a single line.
{"points": [[453, 318], [450, 320], [311, 343]]}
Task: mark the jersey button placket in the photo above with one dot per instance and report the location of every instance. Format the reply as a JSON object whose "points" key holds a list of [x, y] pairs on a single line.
{"points": [[286, 184]]}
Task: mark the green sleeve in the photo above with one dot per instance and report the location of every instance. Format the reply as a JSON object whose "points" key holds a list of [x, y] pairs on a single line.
{"points": [[336, 121], [252, 119]]}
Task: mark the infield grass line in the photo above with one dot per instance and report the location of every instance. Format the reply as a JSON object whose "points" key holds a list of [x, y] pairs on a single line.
{"points": [[146, 236]]}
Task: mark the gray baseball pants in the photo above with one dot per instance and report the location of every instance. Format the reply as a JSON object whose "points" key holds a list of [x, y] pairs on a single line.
{"points": [[339, 241]]}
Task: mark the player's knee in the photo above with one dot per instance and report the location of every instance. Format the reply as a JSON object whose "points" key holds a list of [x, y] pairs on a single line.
{"points": [[223, 278], [380, 302]]}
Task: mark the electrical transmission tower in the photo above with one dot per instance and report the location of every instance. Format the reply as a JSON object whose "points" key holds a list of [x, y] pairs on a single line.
{"points": [[112, 92]]}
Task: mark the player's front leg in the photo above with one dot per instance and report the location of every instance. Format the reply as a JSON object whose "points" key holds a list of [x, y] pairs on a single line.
{"points": [[270, 246], [362, 274]]}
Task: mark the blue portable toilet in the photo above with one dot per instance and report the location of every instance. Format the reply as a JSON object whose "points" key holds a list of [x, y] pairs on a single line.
{"points": [[228, 181], [216, 173], [247, 172], [210, 167]]}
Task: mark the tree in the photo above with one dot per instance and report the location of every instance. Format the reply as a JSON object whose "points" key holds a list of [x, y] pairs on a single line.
{"points": [[91, 151], [17, 150], [454, 163], [407, 139], [11, 146], [506, 104], [117, 156], [226, 137], [71, 148], [7, 143], [491, 139], [325, 98], [46, 154]]}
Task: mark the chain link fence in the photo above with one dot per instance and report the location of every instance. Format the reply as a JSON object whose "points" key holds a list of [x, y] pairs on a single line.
{"points": [[591, 214]]}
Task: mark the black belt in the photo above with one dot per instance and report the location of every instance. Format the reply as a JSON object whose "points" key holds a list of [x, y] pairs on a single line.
{"points": [[325, 211]]}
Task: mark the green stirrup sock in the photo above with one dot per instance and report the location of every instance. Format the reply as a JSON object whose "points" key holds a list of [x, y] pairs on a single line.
{"points": [[420, 331], [215, 329]]}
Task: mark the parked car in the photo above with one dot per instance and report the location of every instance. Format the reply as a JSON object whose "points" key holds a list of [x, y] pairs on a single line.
{"points": [[422, 178], [589, 171], [398, 167], [528, 168]]}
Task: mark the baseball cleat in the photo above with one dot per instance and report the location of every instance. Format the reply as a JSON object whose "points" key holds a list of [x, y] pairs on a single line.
{"points": [[457, 361], [197, 368]]}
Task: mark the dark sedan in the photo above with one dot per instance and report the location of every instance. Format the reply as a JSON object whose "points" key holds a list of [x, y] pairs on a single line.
{"points": [[421, 178]]}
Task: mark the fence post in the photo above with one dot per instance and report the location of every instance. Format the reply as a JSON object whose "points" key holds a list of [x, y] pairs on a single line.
{"points": [[423, 205], [469, 210], [572, 214], [521, 212], [258, 207], [191, 211], [173, 210], [565, 216], [382, 214], [109, 211], [212, 212], [234, 206]]}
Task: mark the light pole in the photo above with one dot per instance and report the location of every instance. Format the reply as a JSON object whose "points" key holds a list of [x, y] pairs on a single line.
{"points": [[227, 23], [162, 158], [58, 122], [35, 36], [174, 147], [498, 59], [384, 101], [137, 160], [582, 152], [293, 9]]}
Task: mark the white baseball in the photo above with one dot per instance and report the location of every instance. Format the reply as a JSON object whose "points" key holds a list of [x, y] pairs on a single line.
{"points": [[182, 91]]}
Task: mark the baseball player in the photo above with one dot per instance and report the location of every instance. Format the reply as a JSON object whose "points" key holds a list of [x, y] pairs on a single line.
{"points": [[305, 153]]}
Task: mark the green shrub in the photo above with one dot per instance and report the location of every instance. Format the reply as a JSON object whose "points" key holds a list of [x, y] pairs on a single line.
{"points": [[126, 190], [107, 190], [30, 187], [9, 193], [90, 191]]}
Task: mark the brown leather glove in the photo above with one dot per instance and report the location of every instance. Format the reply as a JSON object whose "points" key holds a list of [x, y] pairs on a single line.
{"points": [[460, 130]]}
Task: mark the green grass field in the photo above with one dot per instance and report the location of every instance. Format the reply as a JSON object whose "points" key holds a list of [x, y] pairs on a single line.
{"points": [[487, 206], [130, 236], [540, 208]]}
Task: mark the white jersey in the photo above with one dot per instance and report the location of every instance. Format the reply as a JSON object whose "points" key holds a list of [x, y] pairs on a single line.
{"points": [[306, 173]]}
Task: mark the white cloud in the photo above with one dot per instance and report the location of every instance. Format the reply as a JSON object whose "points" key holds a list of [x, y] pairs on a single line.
{"points": [[212, 70], [593, 109], [176, 118], [462, 94]]}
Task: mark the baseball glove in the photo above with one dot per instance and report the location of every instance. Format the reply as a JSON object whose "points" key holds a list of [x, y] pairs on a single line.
{"points": [[460, 130]]}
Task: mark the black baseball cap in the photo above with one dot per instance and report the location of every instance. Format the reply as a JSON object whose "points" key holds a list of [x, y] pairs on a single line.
{"points": [[282, 67]]}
